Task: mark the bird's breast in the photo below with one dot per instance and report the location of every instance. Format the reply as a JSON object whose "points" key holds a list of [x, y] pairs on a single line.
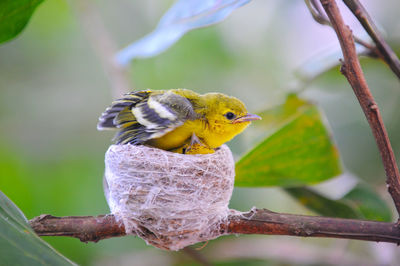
{"points": [[176, 138]]}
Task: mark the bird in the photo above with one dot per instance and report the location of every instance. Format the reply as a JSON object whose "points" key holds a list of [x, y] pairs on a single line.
{"points": [[177, 120]]}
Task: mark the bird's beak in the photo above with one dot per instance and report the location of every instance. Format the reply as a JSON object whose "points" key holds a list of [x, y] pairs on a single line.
{"points": [[246, 118]]}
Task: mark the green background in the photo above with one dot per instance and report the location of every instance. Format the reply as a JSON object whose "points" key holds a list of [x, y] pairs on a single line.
{"points": [[53, 88]]}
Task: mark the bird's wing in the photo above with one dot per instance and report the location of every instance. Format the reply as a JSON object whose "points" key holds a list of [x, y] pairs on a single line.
{"points": [[143, 115], [119, 107]]}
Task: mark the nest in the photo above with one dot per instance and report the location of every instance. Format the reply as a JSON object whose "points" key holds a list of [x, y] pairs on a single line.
{"points": [[170, 200]]}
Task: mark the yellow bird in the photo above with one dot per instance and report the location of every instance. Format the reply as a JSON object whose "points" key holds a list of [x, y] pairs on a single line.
{"points": [[177, 120]]}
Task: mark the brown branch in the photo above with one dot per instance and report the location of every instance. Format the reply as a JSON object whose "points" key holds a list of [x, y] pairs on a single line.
{"points": [[271, 223], [257, 221], [317, 12], [351, 69], [387, 54], [86, 228]]}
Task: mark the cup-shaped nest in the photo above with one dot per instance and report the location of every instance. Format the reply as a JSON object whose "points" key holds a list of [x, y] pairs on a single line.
{"points": [[168, 199]]}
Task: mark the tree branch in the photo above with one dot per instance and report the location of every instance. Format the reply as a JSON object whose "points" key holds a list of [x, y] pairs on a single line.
{"points": [[256, 221], [262, 221], [351, 69], [86, 228], [388, 55], [381, 50], [319, 16]]}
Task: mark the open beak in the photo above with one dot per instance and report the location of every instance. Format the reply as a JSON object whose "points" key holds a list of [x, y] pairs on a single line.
{"points": [[246, 118]]}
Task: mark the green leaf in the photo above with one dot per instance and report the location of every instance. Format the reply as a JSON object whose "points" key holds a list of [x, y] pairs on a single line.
{"points": [[360, 203], [369, 203], [19, 245], [322, 205], [14, 15], [299, 150]]}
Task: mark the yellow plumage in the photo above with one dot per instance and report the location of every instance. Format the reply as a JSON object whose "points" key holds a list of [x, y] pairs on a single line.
{"points": [[176, 120]]}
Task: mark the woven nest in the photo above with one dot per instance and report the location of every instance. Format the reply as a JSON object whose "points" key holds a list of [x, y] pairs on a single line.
{"points": [[170, 200]]}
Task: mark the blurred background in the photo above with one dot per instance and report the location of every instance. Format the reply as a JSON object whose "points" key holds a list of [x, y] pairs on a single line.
{"points": [[53, 89]]}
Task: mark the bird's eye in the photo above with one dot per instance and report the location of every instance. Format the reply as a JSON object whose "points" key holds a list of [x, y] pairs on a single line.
{"points": [[230, 115]]}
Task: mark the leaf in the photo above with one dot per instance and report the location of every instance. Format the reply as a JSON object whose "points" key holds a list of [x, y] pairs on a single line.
{"points": [[299, 150], [19, 243], [360, 203], [14, 15], [322, 205], [368, 203], [182, 17]]}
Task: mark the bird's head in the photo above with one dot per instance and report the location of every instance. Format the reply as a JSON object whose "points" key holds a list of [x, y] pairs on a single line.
{"points": [[226, 116]]}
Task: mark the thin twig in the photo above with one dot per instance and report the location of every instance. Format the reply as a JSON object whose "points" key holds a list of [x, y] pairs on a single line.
{"points": [[104, 47], [351, 69], [256, 221], [381, 50], [362, 15], [319, 16], [317, 13]]}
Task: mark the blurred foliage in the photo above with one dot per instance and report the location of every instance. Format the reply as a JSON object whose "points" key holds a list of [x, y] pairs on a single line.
{"points": [[322, 205], [53, 89], [19, 243], [14, 15], [360, 203], [368, 203], [159, 72], [238, 262], [182, 17]]}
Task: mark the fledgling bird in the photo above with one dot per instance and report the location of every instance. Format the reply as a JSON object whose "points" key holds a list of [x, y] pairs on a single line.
{"points": [[176, 120]]}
